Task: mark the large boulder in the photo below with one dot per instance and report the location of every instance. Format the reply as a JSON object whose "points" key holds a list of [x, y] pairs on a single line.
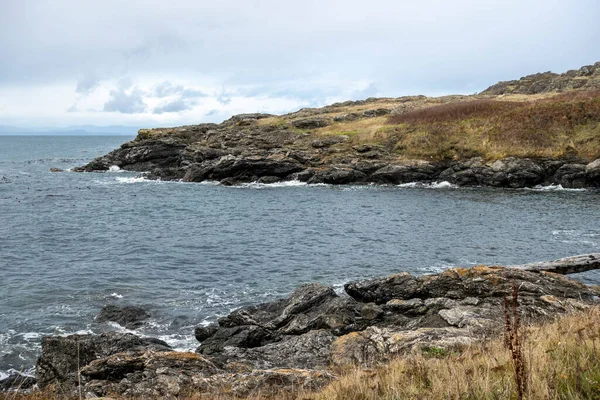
{"points": [[130, 317], [593, 172], [396, 174], [572, 176], [260, 334], [62, 356], [145, 374], [311, 123], [480, 282], [382, 344]]}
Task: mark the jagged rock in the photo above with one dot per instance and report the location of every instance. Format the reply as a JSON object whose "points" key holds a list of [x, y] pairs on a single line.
{"points": [[56, 170], [308, 350], [246, 336], [17, 382], [310, 123], [346, 117], [143, 155], [62, 356], [514, 172], [479, 282], [316, 327], [593, 171], [571, 176], [146, 374], [376, 113], [381, 344], [396, 174], [249, 117], [130, 317], [585, 77], [260, 334], [338, 176]]}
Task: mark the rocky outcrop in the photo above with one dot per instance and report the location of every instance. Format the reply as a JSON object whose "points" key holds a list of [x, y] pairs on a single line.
{"points": [[17, 382], [172, 160], [587, 77], [130, 317], [63, 356], [289, 344], [364, 142]]}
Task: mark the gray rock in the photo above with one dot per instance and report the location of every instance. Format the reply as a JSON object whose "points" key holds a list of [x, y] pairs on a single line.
{"points": [[311, 123], [572, 176], [146, 374], [17, 382], [346, 117], [338, 176], [593, 172], [130, 317], [308, 350], [397, 174], [62, 356]]}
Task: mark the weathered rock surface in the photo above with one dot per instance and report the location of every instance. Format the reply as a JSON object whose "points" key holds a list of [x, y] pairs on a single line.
{"points": [[63, 356], [288, 344], [130, 317], [234, 154], [587, 77]]}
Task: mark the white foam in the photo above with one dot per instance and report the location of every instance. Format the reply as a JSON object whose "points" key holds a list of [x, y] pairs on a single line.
{"points": [[180, 342], [433, 185], [554, 188], [133, 179], [114, 168], [31, 335], [257, 185], [116, 295], [3, 375]]}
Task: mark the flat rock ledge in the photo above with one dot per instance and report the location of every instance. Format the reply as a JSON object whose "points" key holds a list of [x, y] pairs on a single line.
{"points": [[292, 343]]}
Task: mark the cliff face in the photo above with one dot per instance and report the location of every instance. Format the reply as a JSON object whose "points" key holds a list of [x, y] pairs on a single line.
{"points": [[499, 138]]}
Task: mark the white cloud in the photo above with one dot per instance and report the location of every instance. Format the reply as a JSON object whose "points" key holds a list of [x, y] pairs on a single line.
{"points": [[188, 58]]}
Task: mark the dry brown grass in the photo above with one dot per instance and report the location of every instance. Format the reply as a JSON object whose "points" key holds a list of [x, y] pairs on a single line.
{"points": [[563, 361]]}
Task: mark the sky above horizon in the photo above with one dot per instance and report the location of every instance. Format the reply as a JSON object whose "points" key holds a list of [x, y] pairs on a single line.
{"points": [[155, 63]]}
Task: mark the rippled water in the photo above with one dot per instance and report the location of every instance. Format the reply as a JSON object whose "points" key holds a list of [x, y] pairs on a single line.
{"points": [[71, 243]]}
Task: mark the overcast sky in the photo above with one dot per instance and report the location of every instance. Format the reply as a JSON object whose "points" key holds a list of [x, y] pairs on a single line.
{"points": [[158, 63]]}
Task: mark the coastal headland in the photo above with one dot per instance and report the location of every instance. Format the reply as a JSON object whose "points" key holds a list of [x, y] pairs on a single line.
{"points": [[542, 129]]}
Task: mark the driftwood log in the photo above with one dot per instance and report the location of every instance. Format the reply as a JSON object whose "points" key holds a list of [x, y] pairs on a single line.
{"points": [[564, 266]]}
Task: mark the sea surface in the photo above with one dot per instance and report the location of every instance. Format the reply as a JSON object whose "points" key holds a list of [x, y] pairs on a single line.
{"points": [[71, 243]]}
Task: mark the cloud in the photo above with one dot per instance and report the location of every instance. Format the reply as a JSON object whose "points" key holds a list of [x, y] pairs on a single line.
{"points": [[166, 88], [329, 50], [87, 85], [173, 106], [126, 99]]}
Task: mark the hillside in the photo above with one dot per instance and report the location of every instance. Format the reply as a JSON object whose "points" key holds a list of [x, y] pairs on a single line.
{"points": [[544, 121]]}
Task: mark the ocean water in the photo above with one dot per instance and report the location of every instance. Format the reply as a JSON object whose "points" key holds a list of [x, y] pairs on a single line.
{"points": [[189, 253]]}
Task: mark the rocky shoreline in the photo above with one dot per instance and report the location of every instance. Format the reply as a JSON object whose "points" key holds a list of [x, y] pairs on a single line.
{"points": [[170, 158], [539, 130], [295, 343]]}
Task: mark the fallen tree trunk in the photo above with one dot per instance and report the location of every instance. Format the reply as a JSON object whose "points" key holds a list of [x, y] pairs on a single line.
{"points": [[564, 266]]}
